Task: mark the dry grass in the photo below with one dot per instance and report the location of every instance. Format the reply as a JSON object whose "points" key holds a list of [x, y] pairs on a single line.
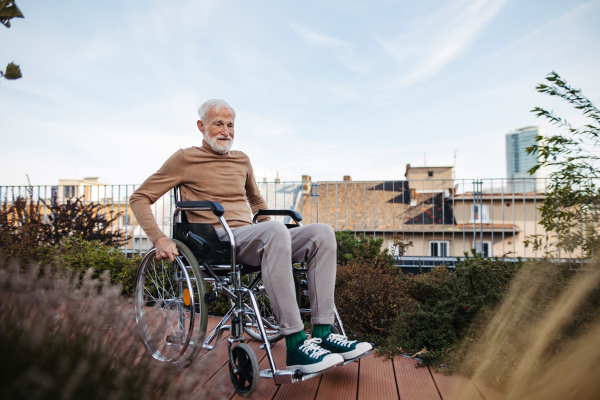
{"points": [[543, 342], [60, 341]]}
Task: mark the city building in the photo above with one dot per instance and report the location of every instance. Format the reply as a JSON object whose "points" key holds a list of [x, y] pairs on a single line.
{"points": [[518, 162]]}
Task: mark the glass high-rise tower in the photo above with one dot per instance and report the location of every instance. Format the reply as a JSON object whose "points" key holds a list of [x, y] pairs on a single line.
{"points": [[518, 162]]}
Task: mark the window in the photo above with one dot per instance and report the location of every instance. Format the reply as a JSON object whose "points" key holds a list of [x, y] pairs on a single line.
{"points": [[69, 191], [483, 248], [480, 213], [438, 248], [126, 219], [430, 174]]}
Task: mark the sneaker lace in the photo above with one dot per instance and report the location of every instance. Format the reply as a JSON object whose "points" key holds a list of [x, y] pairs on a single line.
{"points": [[311, 348], [340, 340]]}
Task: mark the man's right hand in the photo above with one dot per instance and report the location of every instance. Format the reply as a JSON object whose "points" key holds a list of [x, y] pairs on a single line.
{"points": [[166, 248]]}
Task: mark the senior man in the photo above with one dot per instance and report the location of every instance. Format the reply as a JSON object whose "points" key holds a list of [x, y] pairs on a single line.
{"points": [[214, 172]]}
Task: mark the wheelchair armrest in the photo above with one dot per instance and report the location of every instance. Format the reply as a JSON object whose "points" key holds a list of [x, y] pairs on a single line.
{"points": [[295, 215], [213, 206]]}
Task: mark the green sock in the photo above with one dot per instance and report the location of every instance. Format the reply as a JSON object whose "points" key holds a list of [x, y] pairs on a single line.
{"points": [[321, 331], [291, 341]]}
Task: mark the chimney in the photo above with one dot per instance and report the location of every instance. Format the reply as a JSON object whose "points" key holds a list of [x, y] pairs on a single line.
{"points": [[306, 181], [347, 178], [277, 180]]}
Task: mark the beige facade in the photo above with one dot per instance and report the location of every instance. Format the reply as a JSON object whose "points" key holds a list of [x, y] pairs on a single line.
{"points": [[429, 179], [494, 225], [427, 210]]}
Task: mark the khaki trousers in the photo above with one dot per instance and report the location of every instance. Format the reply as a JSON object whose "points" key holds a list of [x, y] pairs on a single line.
{"points": [[274, 247]]}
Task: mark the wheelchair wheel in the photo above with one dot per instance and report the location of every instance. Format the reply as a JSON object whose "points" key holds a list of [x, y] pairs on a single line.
{"points": [[246, 375], [268, 316], [170, 310]]}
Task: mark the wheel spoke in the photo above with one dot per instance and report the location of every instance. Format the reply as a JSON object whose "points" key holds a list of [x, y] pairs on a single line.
{"points": [[248, 375], [161, 287], [242, 364]]}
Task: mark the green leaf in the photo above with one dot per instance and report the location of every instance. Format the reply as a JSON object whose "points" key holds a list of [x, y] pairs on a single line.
{"points": [[13, 71]]}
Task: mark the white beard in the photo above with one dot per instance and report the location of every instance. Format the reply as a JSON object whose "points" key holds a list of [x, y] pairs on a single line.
{"points": [[216, 145]]}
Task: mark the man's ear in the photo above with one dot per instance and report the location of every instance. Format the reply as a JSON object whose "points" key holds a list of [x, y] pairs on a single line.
{"points": [[200, 126]]}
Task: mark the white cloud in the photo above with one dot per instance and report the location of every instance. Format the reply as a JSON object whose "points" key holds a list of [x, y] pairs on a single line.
{"points": [[343, 51], [436, 39]]}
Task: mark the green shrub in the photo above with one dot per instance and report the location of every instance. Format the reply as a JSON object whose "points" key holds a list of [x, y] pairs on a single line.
{"points": [[348, 244], [77, 256], [443, 305], [370, 293]]}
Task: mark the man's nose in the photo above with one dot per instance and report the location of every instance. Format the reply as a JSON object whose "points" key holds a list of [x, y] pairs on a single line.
{"points": [[226, 132]]}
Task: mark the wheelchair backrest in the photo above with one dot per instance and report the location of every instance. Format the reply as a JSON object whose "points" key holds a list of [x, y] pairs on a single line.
{"points": [[204, 242]]}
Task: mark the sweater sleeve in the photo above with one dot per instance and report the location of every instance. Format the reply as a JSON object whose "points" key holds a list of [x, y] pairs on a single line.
{"points": [[253, 195], [166, 178]]}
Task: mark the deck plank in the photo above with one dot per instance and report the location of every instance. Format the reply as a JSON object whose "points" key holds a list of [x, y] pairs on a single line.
{"points": [[414, 383], [340, 383], [376, 379], [455, 387]]}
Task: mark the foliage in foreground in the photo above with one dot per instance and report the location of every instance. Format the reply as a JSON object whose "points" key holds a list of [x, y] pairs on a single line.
{"points": [[60, 341], [570, 213], [543, 339]]}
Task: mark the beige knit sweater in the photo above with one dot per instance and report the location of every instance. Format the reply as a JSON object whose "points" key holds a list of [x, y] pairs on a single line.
{"points": [[203, 175]]}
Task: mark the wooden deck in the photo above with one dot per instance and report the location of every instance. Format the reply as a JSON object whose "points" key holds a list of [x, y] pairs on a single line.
{"points": [[371, 378]]}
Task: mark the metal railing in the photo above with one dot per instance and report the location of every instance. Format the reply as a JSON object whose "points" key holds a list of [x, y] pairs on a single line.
{"points": [[441, 219]]}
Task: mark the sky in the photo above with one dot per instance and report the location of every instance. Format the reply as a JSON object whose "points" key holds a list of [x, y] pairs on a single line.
{"points": [[322, 88]]}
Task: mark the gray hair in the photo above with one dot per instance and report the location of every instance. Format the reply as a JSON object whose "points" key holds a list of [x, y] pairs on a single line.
{"points": [[215, 105]]}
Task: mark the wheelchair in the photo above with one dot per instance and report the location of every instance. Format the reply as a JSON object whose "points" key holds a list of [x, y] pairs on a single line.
{"points": [[171, 300]]}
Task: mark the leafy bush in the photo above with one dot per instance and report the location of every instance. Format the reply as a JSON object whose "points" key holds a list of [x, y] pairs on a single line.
{"points": [[406, 313], [74, 238], [370, 292], [447, 303], [77, 256], [28, 235], [571, 211], [61, 342], [348, 244], [23, 233]]}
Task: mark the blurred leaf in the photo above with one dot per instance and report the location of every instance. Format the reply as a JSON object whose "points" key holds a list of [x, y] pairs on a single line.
{"points": [[8, 11], [419, 352], [12, 71]]}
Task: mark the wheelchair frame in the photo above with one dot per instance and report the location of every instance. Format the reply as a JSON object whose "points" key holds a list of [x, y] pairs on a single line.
{"points": [[236, 316]]}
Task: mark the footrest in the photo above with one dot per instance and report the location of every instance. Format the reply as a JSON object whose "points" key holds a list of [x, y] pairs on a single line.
{"points": [[282, 377], [356, 358], [287, 376]]}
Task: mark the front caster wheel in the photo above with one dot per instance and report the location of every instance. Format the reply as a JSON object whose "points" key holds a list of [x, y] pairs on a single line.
{"points": [[244, 372]]}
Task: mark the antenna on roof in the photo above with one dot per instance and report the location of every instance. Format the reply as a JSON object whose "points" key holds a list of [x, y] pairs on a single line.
{"points": [[454, 168], [425, 159]]}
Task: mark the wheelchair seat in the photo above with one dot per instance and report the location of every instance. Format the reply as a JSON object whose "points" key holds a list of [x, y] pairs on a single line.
{"points": [[208, 248]]}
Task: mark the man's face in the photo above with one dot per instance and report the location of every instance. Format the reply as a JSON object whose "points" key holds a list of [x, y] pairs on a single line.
{"points": [[218, 130]]}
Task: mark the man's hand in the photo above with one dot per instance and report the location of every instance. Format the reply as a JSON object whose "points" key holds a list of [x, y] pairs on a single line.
{"points": [[166, 248]]}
